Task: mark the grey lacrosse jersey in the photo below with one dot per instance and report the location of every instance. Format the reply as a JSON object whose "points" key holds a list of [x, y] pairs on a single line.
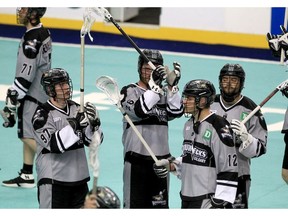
{"points": [[256, 126], [150, 112], [61, 157], [34, 57], [285, 124], [209, 160]]}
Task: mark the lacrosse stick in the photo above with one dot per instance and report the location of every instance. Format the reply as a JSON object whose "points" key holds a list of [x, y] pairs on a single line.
{"points": [[100, 11], [281, 87], [88, 21], [109, 86]]}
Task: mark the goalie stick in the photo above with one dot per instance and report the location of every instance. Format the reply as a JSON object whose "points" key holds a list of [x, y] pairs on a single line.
{"points": [[281, 87], [110, 87]]}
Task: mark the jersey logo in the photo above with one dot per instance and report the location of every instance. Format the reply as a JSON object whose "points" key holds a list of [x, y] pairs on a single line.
{"points": [[207, 135], [243, 115]]}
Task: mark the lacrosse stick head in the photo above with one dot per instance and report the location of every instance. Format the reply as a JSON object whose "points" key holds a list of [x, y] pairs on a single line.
{"points": [[88, 20], [110, 87], [102, 12]]}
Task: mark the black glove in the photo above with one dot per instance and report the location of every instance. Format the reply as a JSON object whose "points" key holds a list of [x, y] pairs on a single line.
{"points": [[161, 171], [283, 40], [158, 75], [220, 204], [93, 116], [9, 117], [79, 123]]}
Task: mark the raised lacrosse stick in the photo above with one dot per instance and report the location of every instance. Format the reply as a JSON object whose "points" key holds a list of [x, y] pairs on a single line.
{"points": [[101, 11], [281, 87], [110, 87], [88, 21]]}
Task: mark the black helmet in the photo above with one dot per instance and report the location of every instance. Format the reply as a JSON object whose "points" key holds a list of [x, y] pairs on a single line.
{"points": [[37, 13], [52, 77], [107, 198], [200, 88], [153, 55], [40, 11]]}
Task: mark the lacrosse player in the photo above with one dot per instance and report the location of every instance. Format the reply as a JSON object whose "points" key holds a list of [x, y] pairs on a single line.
{"points": [[276, 43], [251, 138], [150, 104], [34, 57], [208, 165], [61, 132], [285, 158]]}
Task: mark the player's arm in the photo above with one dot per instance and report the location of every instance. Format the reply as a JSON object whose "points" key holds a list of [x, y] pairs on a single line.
{"points": [[56, 141], [227, 168], [254, 138]]}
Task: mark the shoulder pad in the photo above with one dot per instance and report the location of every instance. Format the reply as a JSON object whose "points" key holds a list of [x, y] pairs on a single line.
{"points": [[39, 118], [223, 129], [31, 48]]}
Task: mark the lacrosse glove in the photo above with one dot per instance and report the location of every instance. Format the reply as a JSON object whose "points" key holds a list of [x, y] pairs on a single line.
{"points": [[157, 77], [78, 124], [9, 117], [240, 130], [162, 167], [93, 116], [273, 42], [10, 110], [173, 77]]}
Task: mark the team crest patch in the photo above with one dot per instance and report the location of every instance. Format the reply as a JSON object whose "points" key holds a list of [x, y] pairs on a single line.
{"points": [[207, 135], [243, 115]]}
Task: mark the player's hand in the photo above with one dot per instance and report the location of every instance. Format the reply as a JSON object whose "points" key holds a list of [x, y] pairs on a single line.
{"points": [[157, 77], [161, 171], [273, 42], [9, 117], [239, 129], [173, 77], [79, 122], [12, 99], [93, 116]]}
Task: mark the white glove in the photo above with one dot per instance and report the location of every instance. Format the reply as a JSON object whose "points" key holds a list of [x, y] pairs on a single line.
{"points": [[239, 129], [173, 77], [162, 167], [157, 76]]}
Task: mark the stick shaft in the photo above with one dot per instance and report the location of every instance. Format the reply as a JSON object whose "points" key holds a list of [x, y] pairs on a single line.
{"points": [[132, 42], [260, 105], [138, 134], [82, 74]]}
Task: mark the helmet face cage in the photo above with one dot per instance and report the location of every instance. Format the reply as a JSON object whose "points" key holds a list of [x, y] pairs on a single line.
{"points": [[232, 70], [200, 89], [153, 55], [53, 77]]}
